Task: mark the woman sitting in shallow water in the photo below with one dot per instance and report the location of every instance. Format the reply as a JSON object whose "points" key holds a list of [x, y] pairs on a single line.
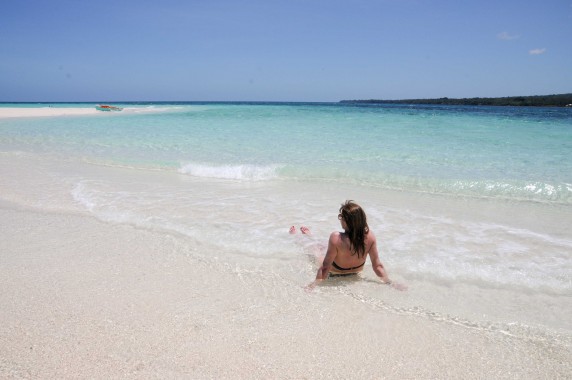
{"points": [[347, 251]]}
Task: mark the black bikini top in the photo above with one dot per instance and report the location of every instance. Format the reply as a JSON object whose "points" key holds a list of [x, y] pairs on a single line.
{"points": [[352, 268]]}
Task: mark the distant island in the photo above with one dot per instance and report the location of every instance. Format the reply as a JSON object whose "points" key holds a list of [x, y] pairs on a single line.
{"points": [[562, 100]]}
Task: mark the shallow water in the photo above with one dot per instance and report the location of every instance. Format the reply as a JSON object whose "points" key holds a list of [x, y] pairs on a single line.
{"points": [[509, 153]]}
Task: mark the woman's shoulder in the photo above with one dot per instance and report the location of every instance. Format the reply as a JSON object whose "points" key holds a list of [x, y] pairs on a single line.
{"points": [[370, 237], [336, 237]]}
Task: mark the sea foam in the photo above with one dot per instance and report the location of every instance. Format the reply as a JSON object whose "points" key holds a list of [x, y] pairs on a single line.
{"points": [[235, 172]]}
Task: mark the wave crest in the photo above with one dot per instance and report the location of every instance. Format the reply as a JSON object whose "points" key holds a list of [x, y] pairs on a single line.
{"points": [[236, 172]]}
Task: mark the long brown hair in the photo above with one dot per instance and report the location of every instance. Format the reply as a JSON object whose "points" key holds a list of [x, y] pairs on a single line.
{"points": [[356, 221]]}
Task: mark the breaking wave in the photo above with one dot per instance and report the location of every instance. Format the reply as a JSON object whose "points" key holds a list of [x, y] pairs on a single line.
{"points": [[235, 172]]}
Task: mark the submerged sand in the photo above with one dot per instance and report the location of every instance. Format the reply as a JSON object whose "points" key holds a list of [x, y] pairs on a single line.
{"points": [[86, 299]]}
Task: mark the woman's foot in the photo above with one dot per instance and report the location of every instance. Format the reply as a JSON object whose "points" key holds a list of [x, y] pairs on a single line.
{"points": [[305, 230], [292, 230]]}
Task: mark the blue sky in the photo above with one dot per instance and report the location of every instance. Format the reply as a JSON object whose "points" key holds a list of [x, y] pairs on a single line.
{"points": [[292, 50]]}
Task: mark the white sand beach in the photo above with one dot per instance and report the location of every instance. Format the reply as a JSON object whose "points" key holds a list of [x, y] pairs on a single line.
{"points": [[18, 112], [85, 299]]}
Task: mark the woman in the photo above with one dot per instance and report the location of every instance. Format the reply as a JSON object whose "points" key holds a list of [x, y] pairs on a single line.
{"points": [[348, 250]]}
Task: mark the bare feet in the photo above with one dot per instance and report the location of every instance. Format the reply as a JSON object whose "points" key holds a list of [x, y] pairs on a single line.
{"points": [[303, 229]]}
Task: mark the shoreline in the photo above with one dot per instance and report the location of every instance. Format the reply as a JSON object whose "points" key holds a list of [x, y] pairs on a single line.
{"points": [[85, 298]]}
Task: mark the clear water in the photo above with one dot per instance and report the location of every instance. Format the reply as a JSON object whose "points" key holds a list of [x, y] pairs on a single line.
{"points": [[472, 205], [510, 153]]}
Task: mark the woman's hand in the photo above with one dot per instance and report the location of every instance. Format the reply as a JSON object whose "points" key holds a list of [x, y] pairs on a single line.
{"points": [[397, 286], [310, 287]]}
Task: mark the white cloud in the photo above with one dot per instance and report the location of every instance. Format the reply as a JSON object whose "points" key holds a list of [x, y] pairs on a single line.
{"points": [[506, 36], [537, 51]]}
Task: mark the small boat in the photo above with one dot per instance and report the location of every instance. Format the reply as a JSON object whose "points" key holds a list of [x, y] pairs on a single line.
{"points": [[105, 107]]}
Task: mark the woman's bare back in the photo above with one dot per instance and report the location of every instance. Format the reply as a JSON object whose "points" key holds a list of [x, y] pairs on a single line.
{"points": [[345, 259]]}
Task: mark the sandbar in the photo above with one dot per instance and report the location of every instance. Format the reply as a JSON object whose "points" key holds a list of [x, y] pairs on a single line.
{"points": [[24, 112]]}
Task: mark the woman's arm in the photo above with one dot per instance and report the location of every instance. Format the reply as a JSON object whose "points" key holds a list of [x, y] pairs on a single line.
{"points": [[331, 254], [376, 263], [379, 268]]}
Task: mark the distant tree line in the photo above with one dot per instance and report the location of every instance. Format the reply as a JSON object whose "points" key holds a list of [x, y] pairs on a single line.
{"points": [[562, 100]]}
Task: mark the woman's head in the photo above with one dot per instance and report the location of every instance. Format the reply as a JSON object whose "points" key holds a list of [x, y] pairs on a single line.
{"points": [[353, 216]]}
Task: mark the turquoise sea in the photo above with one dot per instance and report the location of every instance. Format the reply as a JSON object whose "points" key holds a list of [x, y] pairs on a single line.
{"points": [[472, 206], [508, 153]]}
